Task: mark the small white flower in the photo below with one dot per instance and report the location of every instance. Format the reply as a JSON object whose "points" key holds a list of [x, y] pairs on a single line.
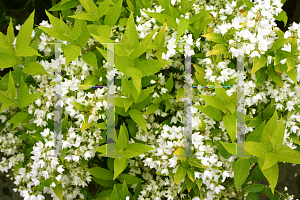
{"points": [[287, 47]]}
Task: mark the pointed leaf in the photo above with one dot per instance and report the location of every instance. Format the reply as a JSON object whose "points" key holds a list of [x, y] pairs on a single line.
{"points": [[256, 149], [34, 69], [258, 63], [161, 17], [270, 160], [138, 118], [89, 6], [113, 14], [11, 87], [17, 119], [58, 190], [24, 35], [71, 52], [215, 37], [241, 171], [214, 102], [10, 32], [218, 49], [271, 174], [119, 166], [180, 174], [230, 125], [279, 132], [230, 147], [27, 51], [150, 67], [286, 154], [136, 149], [101, 173]]}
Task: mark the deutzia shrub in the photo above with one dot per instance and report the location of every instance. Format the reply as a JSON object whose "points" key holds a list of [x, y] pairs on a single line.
{"points": [[150, 137]]}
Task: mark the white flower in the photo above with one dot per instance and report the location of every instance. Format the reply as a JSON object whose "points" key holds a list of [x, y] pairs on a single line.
{"points": [[60, 169], [287, 47], [283, 61]]}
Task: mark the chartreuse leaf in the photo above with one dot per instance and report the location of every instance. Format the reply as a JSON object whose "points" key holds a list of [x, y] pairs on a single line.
{"points": [[89, 6], [7, 58], [58, 190], [183, 25], [113, 14], [210, 111], [276, 78], [271, 125], [130, 179], [90, 81], [17, 119], [10, 32], [104, 31], [133, 91], [258, 63], [150, 67], [138, 118], [199, 27], [151, 109], [282, 17], [26, 51], [286, 154], [84, 16], [64, 5], [103, 8], [279, 133], [54, 33], [130, 39], [125, 88], [130, 6], [79, 106], [4, 44], [160, 36], [127, 103], [91, 59], [115, 194], [215, 37], [85, 124], [256, 149], [270, 160], [218, 49], [122, 139], [290, 63], [120, 164], [170, 84], [101, 173], [24, 35], [71, 52], [279, 43], [23, 97], [215, 102], [230, 125], [230, 147], [34, 69], [136, 149], [180, 174], [271, 173], [84, 35], [11, 87], [143, 45], [180, 93], [161, 17], [292, 74], [124, 192], [136, 75], [241, 170]]}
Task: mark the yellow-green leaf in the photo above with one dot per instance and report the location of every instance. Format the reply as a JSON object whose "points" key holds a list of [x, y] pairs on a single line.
{"points": [[258, 63], [71, 52], [24, 36], [34, 69], [218, 49], [215, 37]]}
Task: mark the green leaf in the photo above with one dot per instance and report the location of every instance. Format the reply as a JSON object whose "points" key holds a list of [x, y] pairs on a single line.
{"points": [[218, 49], [84, 16], [161, 17], [113, 14], [24, 35], [214, 102], [230, 147], [101, 173], [255, 149], [282, 17], [133, 91], [34, 69], [130, 179], [89, 6], [170, 84], [23, 97], [136, 75], [279, 132], [58, 190], [215, 37], [144, 94], [27, 51], [241, 171], [252, 196], [64, 6], [17, 119], [271, 125], [119, 166], [127, 103], [180, 93], [150, 67], [104, 31], [91, 59], [256, 134], [55, 22], [10, 32], [271, 174], [136, 149], [258, 63], [286, 154], [276, 78], [182, 27], [11, 87], [7, 58], [201, 14], [125, 88], [256, 174], [138, 118], [248, 3], [124, 192], [270, 160], [230, 125], [199, 27], [180, 174], [103, 8], [115, 194], [71, 52], [101, 125]]}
